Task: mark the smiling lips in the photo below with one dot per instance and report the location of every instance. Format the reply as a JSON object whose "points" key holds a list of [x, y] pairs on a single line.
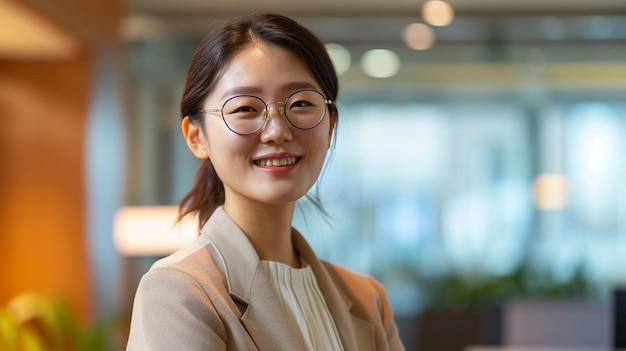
{"points": [[277, 162]]}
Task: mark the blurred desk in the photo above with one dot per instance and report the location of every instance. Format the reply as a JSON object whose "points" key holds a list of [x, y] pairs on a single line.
{"points": [[557, 324]]}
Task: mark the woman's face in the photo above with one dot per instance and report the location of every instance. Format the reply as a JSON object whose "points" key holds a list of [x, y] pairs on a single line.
{"points": [[279, 163]]}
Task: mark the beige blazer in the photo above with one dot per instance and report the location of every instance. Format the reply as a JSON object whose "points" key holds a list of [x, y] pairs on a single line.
{"points": [[215, 295]]}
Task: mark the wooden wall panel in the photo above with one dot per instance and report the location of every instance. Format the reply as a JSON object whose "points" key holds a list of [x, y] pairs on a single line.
{"points": [[43, 108]]}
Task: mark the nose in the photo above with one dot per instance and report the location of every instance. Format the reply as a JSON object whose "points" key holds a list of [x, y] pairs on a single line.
{"points": [[277, 129]]}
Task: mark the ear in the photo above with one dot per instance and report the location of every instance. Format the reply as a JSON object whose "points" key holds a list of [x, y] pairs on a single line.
{"points": [[195, 141]]}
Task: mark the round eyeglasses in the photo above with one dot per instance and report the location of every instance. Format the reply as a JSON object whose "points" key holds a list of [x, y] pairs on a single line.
{"points": [[247, 114]]}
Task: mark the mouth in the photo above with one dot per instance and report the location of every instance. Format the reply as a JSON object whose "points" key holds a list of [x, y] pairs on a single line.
{"points": [[277, 162]]}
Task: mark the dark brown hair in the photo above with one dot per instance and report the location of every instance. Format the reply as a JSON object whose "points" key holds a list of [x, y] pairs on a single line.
{"points": [[213, 54]]}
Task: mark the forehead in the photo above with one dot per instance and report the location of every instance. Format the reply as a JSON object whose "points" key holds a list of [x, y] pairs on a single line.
{"points": [[264, 69]]}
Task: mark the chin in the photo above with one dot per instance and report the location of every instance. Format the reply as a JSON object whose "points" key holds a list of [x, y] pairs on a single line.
{"points": [[277, 197]]}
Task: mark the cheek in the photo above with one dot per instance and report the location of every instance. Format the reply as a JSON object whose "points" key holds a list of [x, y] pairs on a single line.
{"points": [[228, 150], [215, 137], [326, 135], [322, 142]]}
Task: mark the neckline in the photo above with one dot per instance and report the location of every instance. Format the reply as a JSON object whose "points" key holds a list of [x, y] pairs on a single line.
{"points": [[285, 267]]}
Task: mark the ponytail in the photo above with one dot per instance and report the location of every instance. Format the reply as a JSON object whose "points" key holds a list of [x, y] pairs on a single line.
{"points": [[206, 195]]}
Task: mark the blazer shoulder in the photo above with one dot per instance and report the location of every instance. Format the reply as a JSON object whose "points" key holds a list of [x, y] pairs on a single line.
{"points": [[357, 280], [369, 300], [360, 288], [199, 261]]}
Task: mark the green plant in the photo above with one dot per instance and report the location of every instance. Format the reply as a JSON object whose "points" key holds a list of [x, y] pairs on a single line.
{"points": [[479, 290], [35, 322]]}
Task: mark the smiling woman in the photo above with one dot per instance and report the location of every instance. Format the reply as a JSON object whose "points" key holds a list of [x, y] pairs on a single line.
{"points": [[250, 280], [237, 160]]}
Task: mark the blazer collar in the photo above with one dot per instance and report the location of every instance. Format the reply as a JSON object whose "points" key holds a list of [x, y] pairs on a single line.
{"points": [[354, 331], [250, 287], [239, 258], [249, 284]]}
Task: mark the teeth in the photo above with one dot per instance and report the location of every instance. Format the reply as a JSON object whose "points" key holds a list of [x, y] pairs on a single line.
{"points": [[276, 162]]}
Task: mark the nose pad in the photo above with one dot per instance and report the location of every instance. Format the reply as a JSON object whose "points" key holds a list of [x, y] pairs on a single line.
{"points": [[278, 129], [281, 112]]}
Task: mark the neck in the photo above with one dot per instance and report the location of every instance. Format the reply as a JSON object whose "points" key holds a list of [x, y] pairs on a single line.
{"points": [[268, 227]]}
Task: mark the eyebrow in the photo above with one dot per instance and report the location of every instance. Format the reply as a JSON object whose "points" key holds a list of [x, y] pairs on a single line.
{"points": [[257, 90]]}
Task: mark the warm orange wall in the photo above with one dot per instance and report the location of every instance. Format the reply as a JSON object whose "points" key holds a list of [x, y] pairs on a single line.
{"points": [[43, 108], [96, 22]]}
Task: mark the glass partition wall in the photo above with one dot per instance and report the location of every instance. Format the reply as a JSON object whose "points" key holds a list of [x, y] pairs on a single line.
{"points": [[488, 166]]}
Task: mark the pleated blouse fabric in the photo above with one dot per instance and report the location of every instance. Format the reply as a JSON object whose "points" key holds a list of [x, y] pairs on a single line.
{"points": [[302, 298]]}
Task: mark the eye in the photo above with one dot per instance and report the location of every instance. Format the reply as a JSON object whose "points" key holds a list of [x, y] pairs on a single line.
{"points": [[233, 110], [301, 103], [305, 101], [243, 107]]}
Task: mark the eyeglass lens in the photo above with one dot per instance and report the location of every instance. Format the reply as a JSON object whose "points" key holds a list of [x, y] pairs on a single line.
{"points": [[245, 114]]}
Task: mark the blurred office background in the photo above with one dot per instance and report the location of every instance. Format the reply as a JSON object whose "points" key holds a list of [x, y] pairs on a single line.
{"points": [[478, 162]]}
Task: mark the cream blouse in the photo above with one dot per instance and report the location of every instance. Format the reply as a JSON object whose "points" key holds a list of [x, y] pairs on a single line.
{"points": [[303, 300]]}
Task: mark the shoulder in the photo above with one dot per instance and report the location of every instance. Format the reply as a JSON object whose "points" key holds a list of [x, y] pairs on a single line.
{"points": [[177, 304], [186, 284], [346, 280], [351, 278], [368, 301], [197, 264], [360, 288]]}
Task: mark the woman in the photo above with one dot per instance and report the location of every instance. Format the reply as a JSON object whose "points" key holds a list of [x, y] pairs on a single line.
{"points": [[259, 109]]}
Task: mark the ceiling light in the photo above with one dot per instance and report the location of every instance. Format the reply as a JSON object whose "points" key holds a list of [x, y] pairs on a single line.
{"points": [[151, 230], [437, 13], [380, 63], [340, 57], [418, 36], [551, 191]]}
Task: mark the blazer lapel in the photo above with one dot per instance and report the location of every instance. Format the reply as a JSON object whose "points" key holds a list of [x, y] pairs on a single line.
{"points": [[249, 285], [266, 322], [356, 333]]}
